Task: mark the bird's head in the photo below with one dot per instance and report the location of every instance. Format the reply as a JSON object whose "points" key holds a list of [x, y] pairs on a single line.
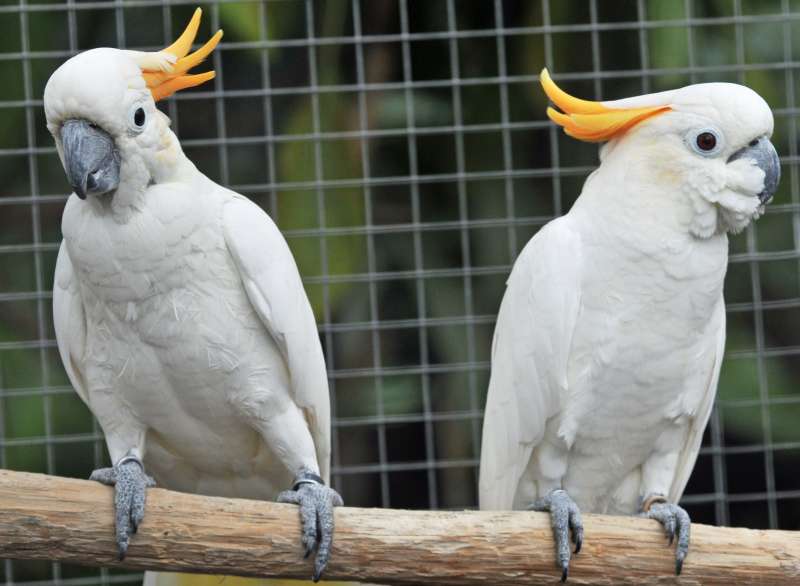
{"points": [[100, 109], [708, 144]]}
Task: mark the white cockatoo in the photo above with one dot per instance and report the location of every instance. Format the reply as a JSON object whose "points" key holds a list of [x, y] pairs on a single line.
{"points": [[179, 311], [610, 336]]}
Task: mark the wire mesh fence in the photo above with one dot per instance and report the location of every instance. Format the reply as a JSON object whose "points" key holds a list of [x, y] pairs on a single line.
{"points": [[402, 147]]}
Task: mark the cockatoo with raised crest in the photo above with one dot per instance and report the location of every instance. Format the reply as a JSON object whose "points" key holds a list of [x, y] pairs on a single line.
{"points": [[610, 335], [179, 311]]}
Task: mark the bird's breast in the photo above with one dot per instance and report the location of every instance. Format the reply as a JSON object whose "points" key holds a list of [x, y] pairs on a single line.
{"points": [[643, 346]]}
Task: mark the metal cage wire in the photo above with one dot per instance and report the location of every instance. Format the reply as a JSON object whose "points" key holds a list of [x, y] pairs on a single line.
{"points": [[389, 450]]}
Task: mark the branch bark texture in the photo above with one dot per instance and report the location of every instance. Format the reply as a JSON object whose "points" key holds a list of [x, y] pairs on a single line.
{"points": [[52, 518]]}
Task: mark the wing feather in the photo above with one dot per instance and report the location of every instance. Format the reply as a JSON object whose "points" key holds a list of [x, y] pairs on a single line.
{"points": [[530, 352], [688, 455], [273, 285], [70, 321]]}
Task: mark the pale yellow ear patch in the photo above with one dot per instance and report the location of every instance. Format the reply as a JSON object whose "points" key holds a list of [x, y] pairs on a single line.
{"points": [[165, 72], [592, 121]]}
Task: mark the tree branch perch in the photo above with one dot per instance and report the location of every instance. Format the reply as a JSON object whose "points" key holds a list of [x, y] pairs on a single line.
{"points": [[46, 517]]}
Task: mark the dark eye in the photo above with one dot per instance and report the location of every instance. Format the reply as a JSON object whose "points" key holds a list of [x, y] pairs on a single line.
{"points": [[138, 117], [706, 141]]}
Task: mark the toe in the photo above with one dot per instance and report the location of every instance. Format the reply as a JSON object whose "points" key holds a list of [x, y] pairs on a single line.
{"points": [[308, 520], [559, 516], [576, 525], [319, 566], [129, 502], [669, 528], [123, 526], [137, 514], [104, 475], [577, 538], [122, 546], [565, 518], [289, 496], [683, 530], [325, 522]]}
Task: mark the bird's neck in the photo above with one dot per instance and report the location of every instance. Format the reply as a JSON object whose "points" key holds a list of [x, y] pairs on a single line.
{"points": [[644, 237], [633, 197], [167, 165]]}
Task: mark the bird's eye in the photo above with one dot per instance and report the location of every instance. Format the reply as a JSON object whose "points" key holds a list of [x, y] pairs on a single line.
{"points": [[137, 118], [706, 141]]}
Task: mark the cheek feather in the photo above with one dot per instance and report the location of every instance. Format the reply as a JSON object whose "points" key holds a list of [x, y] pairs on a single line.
{"points": [[724, 196], [745, 176], [706, 180]]}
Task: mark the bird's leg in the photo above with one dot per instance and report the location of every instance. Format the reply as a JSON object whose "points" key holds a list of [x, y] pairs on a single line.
{"points": [[674, 519], [129, 481], [316, 503], [564, 515]]}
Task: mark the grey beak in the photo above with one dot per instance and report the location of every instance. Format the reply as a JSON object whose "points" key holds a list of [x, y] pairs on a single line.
{"points": [[91, 159], [763, 153]]}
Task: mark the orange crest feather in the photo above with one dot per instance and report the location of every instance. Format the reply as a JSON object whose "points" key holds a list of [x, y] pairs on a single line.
{"points": [[592, 121], [165, 81]]}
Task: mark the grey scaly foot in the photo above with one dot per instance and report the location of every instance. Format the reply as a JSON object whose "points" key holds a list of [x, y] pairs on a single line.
{"points": [[675, 520], [129, 481], [316, 503], [564, 515]]}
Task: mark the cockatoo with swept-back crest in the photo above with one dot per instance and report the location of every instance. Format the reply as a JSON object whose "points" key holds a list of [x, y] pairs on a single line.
{"points": [[179, 311], [609, 339]]}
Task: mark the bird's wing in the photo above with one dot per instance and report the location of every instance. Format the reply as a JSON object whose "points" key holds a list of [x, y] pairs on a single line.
{"points": [[70, 321], [694, 438], [530, 352], [273, 285]]}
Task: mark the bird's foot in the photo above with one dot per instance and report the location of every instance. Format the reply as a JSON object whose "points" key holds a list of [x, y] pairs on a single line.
{"points": [[564, 515], [129, 481], [316, 503], [675, 521]]}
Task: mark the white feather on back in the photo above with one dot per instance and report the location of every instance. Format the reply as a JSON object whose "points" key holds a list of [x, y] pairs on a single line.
{"points": [[529, 363], [273, 285]]}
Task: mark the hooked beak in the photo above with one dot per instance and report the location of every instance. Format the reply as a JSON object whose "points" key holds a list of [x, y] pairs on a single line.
{"points": [[763, 153], [91, 159]]}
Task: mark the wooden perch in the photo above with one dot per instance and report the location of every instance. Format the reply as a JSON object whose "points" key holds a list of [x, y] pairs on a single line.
{"points": [[46, 517]]}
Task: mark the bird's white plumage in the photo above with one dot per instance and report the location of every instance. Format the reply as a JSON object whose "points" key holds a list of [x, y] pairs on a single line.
{"points": [[70, 321], [529, 364], [691, 447], [179, 311], [610, 335], [274, 288], [211, 302]]}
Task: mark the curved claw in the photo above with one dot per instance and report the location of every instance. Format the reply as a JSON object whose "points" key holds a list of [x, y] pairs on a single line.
{"points": [[576, 524], [130, 483], [316, 502], [578, 540], [565, 516]]}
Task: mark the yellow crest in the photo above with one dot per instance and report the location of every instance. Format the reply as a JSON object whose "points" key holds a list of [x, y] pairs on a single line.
{"points": [[592, 121], [165, 72]]}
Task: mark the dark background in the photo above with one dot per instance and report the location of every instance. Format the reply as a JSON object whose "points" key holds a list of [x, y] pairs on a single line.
{"points": [[403, 148]]}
